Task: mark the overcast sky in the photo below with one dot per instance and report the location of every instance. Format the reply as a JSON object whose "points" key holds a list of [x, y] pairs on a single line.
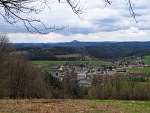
{"points": [[100, 23]]}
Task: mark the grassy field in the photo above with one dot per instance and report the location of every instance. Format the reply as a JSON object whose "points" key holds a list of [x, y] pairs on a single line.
{"points": [[144, 70], [147, 60], [73, 106], [89, 63], [46, 63]]}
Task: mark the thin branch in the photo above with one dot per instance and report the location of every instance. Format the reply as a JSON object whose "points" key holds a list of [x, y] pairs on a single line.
{"points": [[131, 9], [14, 8]]}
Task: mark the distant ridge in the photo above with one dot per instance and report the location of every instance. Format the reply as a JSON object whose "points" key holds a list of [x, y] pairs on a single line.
{"points": [[76, 43]]}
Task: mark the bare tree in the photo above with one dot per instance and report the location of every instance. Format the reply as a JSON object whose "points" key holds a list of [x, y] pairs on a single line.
{"points": [[132, 83], [4, 48], [4, 43], [4, 57]]}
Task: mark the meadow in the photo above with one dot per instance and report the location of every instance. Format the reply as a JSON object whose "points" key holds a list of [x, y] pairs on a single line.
{"points": [[147, 60], [73, 106], [49, 64], [88, 63], [144, 70]]}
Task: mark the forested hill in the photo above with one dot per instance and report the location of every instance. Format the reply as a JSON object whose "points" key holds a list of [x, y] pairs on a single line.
{"points": [[145, 45], [98, 50]]}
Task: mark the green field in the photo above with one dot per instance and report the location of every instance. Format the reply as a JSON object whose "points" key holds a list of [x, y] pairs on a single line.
{"points": [[48, 64], [72, 106], [144, 70], [88, 63], [45, 63], [147, 60]]}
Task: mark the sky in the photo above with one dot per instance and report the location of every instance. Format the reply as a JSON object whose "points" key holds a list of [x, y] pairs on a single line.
{"points": [[99, 23]]}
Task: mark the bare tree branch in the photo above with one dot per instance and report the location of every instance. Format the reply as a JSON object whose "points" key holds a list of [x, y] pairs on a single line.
{"points": [[20, 11], [15, 9], [77, 7], [131, 9]]}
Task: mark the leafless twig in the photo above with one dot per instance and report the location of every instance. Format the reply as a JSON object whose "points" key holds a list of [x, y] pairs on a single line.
{"points": [[131, 9], [16, 11]]}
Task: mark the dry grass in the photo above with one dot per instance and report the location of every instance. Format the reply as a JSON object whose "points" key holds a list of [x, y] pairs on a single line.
{"points": [[68, 106]]}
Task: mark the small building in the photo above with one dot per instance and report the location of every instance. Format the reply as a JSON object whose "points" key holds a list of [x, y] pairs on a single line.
{"points": [[97, 68], [81, 75]]}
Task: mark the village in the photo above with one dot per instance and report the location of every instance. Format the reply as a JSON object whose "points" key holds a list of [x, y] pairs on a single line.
{"points": [[84, 74]]}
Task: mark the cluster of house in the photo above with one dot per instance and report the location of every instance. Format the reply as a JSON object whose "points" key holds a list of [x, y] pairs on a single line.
{"points": [[132, 66], [136, 62], [84, 76]]}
